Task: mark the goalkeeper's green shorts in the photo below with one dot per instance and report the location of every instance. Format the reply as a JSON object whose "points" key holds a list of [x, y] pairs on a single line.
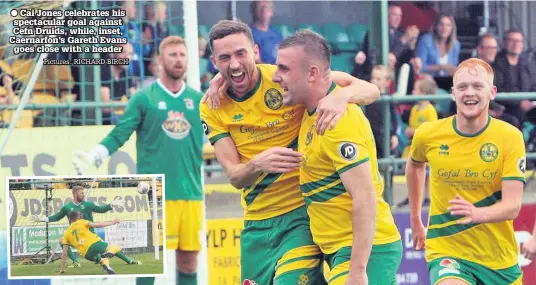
{"points": [[95, 250], [280, 250], [382, 265]]}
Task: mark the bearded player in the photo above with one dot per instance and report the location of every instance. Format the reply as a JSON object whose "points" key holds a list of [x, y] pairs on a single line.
{"points": [[477, 175], [255, 138], [86, 208], [169, 140]]}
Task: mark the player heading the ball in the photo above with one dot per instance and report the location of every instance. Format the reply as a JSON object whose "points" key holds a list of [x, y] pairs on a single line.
{"points": [[87, 209], [89, 244]]}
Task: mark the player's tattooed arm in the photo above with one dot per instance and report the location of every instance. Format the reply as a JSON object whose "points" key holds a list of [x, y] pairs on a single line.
{"points": [[359, 183], [241, 175], [63, 258]]}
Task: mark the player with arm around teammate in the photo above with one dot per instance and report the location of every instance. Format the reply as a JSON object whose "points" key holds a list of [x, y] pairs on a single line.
{"points": [[339, 175], [169, 140], [86, 208], [88, 244], [256, 138], [477, 174]]}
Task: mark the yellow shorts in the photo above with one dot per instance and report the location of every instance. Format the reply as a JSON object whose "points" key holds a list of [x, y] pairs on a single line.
{"points": [[184, 222]]}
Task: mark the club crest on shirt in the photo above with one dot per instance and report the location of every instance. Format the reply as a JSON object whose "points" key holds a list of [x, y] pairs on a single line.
{"points": [[189, 103], [489, 152], [176, 126], [273, 99], [309, 137]]}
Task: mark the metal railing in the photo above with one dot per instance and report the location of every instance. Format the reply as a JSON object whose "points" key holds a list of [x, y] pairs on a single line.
{"points": [[387, 100]]}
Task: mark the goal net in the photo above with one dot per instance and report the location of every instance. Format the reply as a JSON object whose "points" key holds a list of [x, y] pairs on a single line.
{"points": [[138, 233]]}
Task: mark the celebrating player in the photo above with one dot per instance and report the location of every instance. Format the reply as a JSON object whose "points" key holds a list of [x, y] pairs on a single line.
{"points": [[339, 175], [81, 236], [477, 166], [255, 138], [87, 209], [165, 117]]}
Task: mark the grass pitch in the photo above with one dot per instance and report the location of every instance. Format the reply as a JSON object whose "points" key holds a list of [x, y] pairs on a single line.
{"points": [[149, 266]]}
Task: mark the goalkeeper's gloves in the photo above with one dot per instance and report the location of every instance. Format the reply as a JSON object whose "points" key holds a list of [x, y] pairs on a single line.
{"points": [[118, 201], [36, 219], [82, 160]]}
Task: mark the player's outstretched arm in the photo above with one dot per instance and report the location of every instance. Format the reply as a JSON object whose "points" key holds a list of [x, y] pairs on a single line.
{"points": [[134, 114], [358, 182], [415, 178], [118, 201], [63, 258], [241, 175], [54, 218], [103, 224], [332, 107]]}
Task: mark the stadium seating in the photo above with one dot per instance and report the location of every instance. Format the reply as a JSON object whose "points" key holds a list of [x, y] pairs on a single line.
{"points": [[343, 62], [177, 30], [357, 33], [311, 27], [285, 30], [204, 31]]}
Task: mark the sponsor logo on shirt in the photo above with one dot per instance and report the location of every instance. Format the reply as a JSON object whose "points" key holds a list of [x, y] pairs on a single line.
{"points": [[162, 105], [176, 126]]}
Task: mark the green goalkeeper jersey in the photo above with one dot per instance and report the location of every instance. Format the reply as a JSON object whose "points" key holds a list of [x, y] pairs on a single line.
{"points": [[169, 138], [85, 207]]}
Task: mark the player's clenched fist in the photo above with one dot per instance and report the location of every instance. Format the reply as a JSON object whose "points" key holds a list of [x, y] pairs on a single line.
{"points": [[277, 160], [529, 248], [418, 233]]}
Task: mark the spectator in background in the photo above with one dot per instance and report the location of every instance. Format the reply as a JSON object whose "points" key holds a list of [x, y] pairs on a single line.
{"points": [[264, 36], [423, 111], [131, 30], [155, 20], [382, 77], [439, 50], [153, 69], [512, 74], [116, 85], [206, 76], [401, 45], [487, 48]]}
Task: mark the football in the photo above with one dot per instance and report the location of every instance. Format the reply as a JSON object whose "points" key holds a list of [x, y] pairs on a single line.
{"points": [[143, 187]]}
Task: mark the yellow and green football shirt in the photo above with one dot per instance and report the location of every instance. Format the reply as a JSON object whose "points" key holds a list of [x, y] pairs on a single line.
{"points": [[472, 166], [417, 116], [78, 236], [257, 122], [329, 205]]}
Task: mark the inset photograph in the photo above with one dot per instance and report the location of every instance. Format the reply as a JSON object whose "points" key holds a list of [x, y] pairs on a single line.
{"points": [[85, 226]]}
